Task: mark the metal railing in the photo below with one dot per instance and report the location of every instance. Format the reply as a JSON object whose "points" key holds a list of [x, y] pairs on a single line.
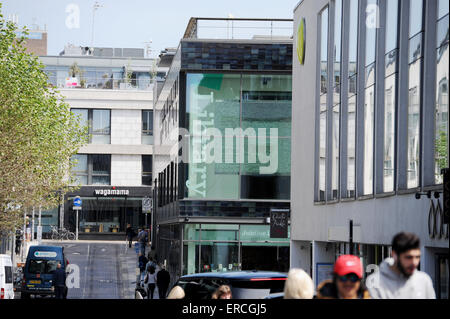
{"points": [[104, 84], [238, 28]]}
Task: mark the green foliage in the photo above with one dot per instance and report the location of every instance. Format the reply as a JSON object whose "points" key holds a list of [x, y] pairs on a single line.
{"points": [[38, 133]]}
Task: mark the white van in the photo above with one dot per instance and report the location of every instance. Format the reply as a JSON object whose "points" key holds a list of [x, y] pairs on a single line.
{"points": [[6, 278]]}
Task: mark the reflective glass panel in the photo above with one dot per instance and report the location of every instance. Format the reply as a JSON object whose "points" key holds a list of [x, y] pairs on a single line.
{"points": [[213, 100], [101, 122], [442, 32], [415, 48], [322, 145], [442, 108], [353, 37], [324, 51], [389, 133], [391, 25], [335, 151], [415, 17], [351, 141], [101, 164], [369, 107], [337, 41], [391, 62], [414, 124], [371, 30], [266, 102], [82, 163], [442, 8]]}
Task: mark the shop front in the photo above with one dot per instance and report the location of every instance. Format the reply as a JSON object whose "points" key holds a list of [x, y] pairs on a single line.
{"points": [[107, 210], [221, 248]]}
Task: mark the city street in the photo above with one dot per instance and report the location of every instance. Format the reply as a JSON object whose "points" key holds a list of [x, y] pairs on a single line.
{"points": [[107, 270]]}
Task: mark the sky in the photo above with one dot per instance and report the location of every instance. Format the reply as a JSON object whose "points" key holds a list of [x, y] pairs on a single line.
{"points": [[131, 23]]}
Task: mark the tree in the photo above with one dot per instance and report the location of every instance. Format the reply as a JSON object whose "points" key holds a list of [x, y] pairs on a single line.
{"points": [[38, 133]]}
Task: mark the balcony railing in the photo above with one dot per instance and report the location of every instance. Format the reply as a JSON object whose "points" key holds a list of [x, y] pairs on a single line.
{"points": [[236, 28], [102, 83]]}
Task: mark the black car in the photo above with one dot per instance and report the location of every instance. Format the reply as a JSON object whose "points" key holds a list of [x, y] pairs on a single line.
{"points": [[243, 284]]}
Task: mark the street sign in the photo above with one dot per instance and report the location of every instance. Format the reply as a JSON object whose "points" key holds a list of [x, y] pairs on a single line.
{"points": [[279, 222], [77, 201], [147, 204]]}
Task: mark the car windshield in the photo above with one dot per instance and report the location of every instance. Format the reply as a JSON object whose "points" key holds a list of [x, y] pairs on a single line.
{"points": [[41, 266]]}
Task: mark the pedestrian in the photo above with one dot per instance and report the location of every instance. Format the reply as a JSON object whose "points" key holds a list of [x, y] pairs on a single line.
{"points": [[162, 281], [142, 262], [398, 277], [130, 234], [347, 281], [59, 281], [299, 285], [176, 293], [18, 241], [223, 292], [143, 238], [150, 281]]}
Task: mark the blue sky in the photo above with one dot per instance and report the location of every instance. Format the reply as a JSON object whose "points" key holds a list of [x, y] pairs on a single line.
{"points": [[131, 23]]}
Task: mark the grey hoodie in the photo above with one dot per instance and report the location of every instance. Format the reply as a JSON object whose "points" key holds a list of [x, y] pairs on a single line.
{"points": [[387, 284]]}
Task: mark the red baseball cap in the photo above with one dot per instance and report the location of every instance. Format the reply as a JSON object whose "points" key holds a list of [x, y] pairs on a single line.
{"points": [[347, 264]]}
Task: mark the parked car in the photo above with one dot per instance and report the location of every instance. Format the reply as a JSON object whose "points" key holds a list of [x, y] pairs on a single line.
{"points": [[243, 284], [38, 271], [6, 277]]}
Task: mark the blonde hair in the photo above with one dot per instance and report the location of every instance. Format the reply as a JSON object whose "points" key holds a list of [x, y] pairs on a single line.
{"points": [[299, 285], [222, 290], [176, 293]]}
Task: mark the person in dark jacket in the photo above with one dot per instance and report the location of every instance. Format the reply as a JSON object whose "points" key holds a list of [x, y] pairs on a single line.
{"points": [[130, 234], [347, 281], [59, 281], [163, 281]]}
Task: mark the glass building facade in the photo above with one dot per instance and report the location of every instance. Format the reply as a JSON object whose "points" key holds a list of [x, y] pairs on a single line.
{"points": [[387, 147], [233, 101]]}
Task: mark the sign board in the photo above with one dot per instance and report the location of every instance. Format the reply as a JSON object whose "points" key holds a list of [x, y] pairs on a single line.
{"points": [[279, 223], [147, 204], [77, 201], [71, 82], [45, 254]]}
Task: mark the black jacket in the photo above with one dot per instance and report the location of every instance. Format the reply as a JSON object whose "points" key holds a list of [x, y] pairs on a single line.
{"points": [[163, 278], [130, 232], [59, 278]]}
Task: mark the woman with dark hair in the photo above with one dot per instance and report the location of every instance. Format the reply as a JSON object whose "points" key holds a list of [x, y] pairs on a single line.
{"points": [[223, 292], [347, 281]]}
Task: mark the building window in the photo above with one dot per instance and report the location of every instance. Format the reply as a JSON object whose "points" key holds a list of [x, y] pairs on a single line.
{"points": [[369, 102], [323, 101], [92, 169], [441, 153], [390, 94], [147, 170], [99, 123], [336, 107], [351, 106], [414, 86], [247, 141], [147, 127], [80, 171], [101, 127]]}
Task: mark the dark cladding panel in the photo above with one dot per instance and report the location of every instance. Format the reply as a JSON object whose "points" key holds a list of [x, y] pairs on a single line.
{"points": [[236, 56]]}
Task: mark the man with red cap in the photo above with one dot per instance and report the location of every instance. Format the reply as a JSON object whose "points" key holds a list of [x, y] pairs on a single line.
{"points": [[346, 283]]}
